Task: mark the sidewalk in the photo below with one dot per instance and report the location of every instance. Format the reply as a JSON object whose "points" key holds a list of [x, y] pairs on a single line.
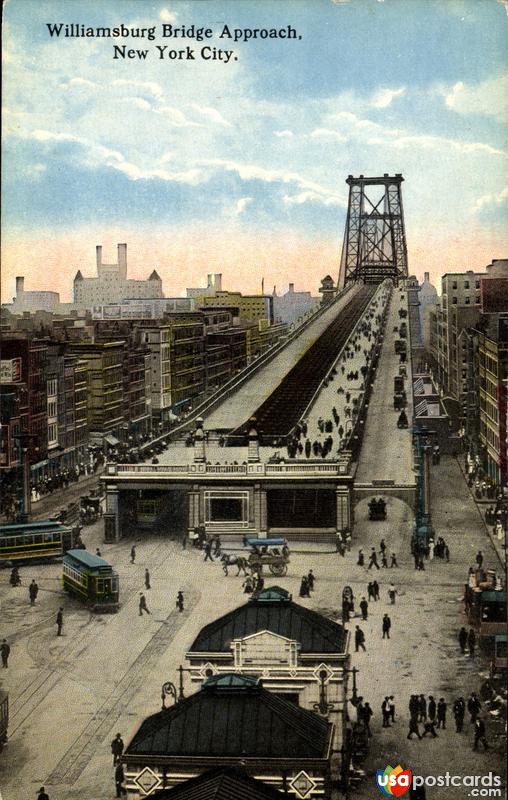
{"points": [[482, 506], [422, 655]]}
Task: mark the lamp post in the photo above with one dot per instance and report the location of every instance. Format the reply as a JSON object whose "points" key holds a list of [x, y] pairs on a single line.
{"points": [[23, 440], [354, 672]]}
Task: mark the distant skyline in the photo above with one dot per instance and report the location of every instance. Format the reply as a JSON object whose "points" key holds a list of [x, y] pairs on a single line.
{"points": [[240, 168]]}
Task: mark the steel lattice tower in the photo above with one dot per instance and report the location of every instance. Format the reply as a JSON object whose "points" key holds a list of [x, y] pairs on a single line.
{"points": [[374, 240]]}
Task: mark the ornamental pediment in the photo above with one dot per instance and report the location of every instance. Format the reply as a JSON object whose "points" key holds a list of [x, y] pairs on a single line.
{"points": [[265, 648]]}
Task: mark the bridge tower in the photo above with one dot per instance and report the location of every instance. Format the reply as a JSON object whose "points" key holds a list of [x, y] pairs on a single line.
{"points": [[374, 239]]}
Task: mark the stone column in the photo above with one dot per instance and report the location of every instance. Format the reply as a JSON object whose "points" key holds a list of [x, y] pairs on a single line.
{"points": [[260, 516], [199, 443], [112, 515], [344, 515], [253, 455]]}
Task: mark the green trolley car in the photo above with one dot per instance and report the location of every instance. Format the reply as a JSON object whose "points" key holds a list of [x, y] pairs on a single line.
{"points": [[34, 541], [4, 717], [91, 579]]}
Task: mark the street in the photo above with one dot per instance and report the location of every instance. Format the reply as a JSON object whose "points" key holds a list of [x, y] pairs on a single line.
{"points": [[70, 695]]}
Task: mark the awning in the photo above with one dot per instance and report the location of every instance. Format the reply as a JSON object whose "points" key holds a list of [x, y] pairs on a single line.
{"points": [[111, 440]]}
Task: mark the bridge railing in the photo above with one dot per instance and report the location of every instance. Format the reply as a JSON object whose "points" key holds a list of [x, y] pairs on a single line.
{"points": [[258, 469]]}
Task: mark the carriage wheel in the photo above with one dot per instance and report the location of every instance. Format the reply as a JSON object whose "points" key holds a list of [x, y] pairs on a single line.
{"points": [[278, 569]]}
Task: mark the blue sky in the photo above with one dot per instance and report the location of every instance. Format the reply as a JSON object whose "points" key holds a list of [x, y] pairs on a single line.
{"points": [[242, 165]]}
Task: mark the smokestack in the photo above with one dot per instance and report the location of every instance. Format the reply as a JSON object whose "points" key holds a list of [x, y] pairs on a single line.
{"points": [[122, 260], [20, 285], [291, 288], [218, 281], [209, 281], [98, 258], [426, 277]]}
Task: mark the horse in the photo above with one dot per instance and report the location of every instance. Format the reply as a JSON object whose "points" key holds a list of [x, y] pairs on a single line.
{"points": [[229, 560]]}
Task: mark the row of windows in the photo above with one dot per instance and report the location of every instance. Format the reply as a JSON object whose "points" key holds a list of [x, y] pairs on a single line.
{"points": [[75, 575]]}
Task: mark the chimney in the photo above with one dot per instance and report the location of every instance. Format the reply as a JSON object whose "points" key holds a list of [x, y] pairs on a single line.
{"points": [[98, 257], [291, 288], [209, 281], [426, 277], [20, 285], [218, 281], [122, 261]]}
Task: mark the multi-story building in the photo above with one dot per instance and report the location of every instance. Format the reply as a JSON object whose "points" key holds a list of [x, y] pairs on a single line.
{"points": [[428, 301], [81, 408], [213, 285], [112, 285], [292, 305], [247, 307], [150, 308], [187, 358], [30, 355], [105, 409], [492, 359]]}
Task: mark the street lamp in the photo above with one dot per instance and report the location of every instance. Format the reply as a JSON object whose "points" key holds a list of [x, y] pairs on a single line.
{"points": [[354, 673], [324, 706]]}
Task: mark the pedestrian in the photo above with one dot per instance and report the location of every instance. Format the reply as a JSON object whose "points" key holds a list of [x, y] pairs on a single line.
{"points": [[386, 624], [133, 553], [42, 795], [119, 780], [459, 709], [359, 639], [471, 641], [473, 706], [479, 734], [142, 604], [217, 546], [370, 591], [384, 562], [447, 553], [385, 711], [382, 546], [393, 562], [375, 584], [15, 580], [463, 640], [364, 608], [391, 707], [432, 708], [413, 706], [147, 579], [248, 585], [260, 582], [4, 652], [413, 727], [367, 716], [422, 708], [98, 553], [392, 594], [310, 580], [304, 587], [441, 713], [117, 747], [479, 559], [208, 552], [179, 600], [33, 591], [373, 559], [59, 621], [361, 559], [429, 727]]}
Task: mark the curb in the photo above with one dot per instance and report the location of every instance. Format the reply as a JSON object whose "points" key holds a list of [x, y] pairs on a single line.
{"points": [[493, 539]]}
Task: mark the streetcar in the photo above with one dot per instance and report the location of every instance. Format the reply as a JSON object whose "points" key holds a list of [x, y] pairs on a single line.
{"points": [[92, 579], [4, 717], [34, 541]]}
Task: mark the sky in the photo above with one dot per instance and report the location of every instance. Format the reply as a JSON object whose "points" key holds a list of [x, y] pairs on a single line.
{"points": [[205, 166]]}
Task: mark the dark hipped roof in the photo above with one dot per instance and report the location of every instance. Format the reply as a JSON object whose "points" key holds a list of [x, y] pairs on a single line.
{"points": [[233, 718], [272, 610], [223, 783]]}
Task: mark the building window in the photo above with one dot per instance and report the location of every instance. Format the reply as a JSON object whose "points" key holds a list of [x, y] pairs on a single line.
{"points": [[454, 301], [466, 284], [467, 301], [454, 285]]}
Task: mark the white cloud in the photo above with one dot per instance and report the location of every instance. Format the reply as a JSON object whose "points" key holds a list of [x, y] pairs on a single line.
{"points": [[488, 98], [212, 114], [145, 86], [491, 200], [177, 117], [34, 171], [384, 97], [137, 102], [351, 126], [283, 134], [80, 83], [167, 16], [242, 204], [326, 133], [313, 197]]}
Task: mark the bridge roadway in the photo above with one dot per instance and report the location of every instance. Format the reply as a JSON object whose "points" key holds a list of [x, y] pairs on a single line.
{"points": [[386, 453], [241, 405]]}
